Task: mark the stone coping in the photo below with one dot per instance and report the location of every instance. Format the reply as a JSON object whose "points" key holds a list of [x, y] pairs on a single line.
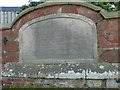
{"points": [[108, 15], [103, 12], [5, 26], [62, 71]]}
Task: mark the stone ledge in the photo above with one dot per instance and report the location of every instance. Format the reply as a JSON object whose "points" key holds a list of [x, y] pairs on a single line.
{"points": [[102, 50], [62, 71], [5, 26], [108, 15], [113, 48]]}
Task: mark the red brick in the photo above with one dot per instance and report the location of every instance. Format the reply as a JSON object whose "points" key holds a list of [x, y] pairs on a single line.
{"points": [[35, 14], [22, 21], [70, 9], [1, 35], [26, 18], [43, 11], [16, 83], [7, 86], [111, 56], [11, 46], [50, 10], [7, 82], [10, 57], [108, 33], [9, 34], [28, 80], [17, 79], [95, 16], [5, 79]]}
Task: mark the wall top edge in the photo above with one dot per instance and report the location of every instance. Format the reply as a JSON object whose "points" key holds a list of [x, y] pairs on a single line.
{"points": [[104, 13]]}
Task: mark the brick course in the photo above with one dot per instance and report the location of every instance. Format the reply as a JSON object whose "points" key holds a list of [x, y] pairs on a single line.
{"points": [[21, 82], [11, 46], [111, 56], [108, 33], [10, 57]]}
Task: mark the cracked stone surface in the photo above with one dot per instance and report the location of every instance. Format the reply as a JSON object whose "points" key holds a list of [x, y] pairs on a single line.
{"points": [[62, 71]]}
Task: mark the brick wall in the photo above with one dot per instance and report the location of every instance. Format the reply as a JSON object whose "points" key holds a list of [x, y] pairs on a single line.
{"points": [[108, 43], [107, 30]]}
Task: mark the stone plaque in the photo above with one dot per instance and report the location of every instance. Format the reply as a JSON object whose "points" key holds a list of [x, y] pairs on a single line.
{"points": [[58, 39]]}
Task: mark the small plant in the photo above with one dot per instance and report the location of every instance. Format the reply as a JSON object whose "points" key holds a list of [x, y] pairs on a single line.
{"points": [[31, 4], [34, 4], [109, 6]]}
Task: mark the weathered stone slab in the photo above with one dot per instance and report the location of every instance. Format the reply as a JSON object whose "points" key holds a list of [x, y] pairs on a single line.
{"points": [[94, 83], [62, 71], [58, 38], [107, 14], [112, 84], [5, 26]]}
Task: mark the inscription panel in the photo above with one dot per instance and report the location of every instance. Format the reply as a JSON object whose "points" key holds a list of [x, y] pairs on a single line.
{"points": [[57, 40]]}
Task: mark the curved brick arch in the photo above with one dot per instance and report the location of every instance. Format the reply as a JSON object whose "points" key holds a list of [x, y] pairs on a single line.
{"points": [[84, 9]]}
